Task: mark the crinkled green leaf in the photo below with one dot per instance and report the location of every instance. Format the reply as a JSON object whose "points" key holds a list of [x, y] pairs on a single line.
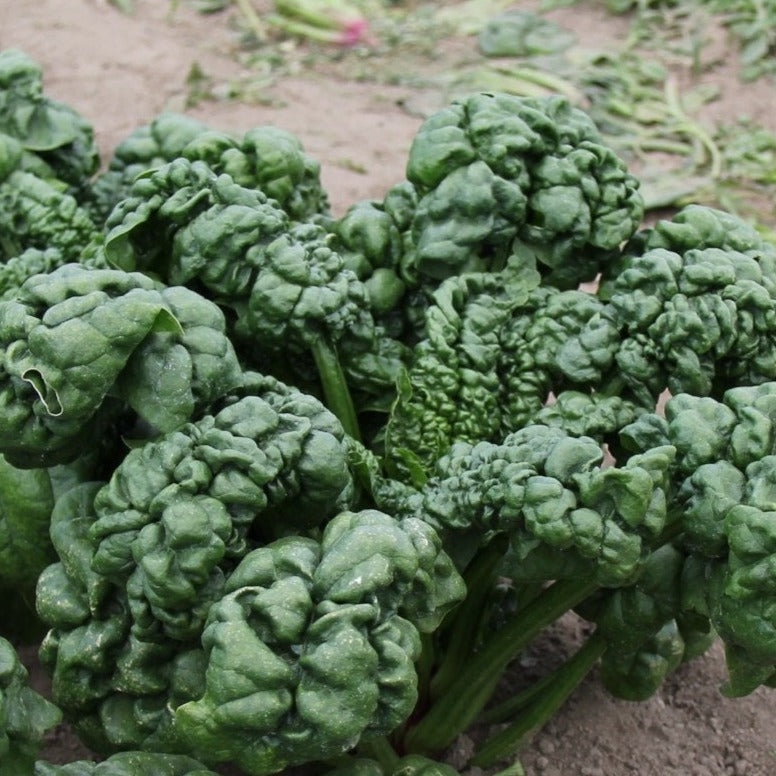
{"points": [[186, 223], [499, 175], [144, 557], [71, 340], [690, 317], [313, 645], [36, 214], [26, 501], [638, 676], [451, 388], [127, 764], [146, 148], [25, 715], [522, 34], [271, 160], [54, 132], [724, 493], [546, 490], [304, 293]]}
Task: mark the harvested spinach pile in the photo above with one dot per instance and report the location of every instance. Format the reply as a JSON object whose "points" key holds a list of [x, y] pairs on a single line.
{"points": [[283, 488]]}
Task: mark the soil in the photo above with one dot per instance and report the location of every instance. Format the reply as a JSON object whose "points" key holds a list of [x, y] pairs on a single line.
{"points": [[121, 70]]}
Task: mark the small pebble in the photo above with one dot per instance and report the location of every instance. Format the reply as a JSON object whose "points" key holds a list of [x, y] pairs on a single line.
{"points": [[546, 746]]}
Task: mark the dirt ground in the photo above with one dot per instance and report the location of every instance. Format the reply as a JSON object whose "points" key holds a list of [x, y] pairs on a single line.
{"points": [[120, 71]]}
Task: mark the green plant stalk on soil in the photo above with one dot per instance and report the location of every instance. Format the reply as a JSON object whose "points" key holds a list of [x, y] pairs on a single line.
{"points": [[467, 677], [460, 705], [541, 705]]}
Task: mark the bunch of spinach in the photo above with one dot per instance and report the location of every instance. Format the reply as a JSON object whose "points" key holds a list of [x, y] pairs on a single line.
{"points": [[268, 470]]}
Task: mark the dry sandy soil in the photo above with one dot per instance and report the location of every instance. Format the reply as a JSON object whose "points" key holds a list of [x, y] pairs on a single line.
{"points": [[120, 71]]}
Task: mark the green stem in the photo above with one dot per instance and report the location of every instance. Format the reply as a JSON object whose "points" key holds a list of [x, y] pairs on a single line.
{"points": [[479, 579], [692, 128], [456, 708], [252, 19], [335, 387], [381, 750], [525, 592], [314, 13], [564, 681], [658, 198], [462, 701], [304, 30], [424, 668], [543, 79], [125, 6], [611, 387], [507, 710], [9, 247], [648, 143], [674, 527], [516, 769]]}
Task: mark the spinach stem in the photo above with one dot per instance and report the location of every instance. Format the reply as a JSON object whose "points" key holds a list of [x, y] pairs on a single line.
{"points": [[335, 387], [381, 750], [479, 578], [507, 710], [251, 18], [465, 697], [516, 769], [545, 704]]}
